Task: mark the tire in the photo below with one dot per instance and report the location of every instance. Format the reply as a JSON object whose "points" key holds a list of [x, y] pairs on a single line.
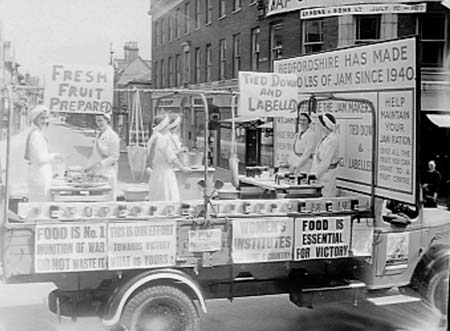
{"points": [[437, 290], [160, 308]]}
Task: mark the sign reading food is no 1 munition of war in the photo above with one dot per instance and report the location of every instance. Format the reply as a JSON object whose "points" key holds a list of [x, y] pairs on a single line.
{"points": [[141, 245], [79, 88], [70, 247], [262, 240], [267, 94], [370, 84], [322, 238]]}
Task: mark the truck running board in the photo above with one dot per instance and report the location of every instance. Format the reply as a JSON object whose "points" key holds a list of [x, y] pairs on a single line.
{"points": [[353, 292]]}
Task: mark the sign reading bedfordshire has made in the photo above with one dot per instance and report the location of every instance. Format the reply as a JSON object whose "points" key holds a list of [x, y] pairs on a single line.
{"points": [[267, 94], [79, 88], [322, 238], [141, 245], [262, 240], [70, 247]]}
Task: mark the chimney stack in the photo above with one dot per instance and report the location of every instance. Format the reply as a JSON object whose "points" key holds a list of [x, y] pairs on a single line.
{"points": [[131, 51]]}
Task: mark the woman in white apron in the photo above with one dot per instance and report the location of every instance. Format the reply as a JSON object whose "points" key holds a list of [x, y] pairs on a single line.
{"points": [[163, 184], [40, 172], [106, 152], [304, 146], [174, 126], [326, 158]]}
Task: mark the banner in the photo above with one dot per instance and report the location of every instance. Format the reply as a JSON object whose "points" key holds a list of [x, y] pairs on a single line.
{"points": [[79, 88], [267, 94], [397, 250], [369, 9], [208, 240], [374, 82], [322, 238], [283, 139], [70, 247], [141, 245], [262, 240]]}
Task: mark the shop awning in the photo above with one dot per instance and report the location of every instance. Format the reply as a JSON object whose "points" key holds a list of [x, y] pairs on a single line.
{"points": [[239, 120], [441, 120], [268, 125]]}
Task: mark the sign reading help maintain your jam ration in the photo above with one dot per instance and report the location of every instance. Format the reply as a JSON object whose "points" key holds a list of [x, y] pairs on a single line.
{"points": [[379, 82], [79, 88], [141, 245], [322, 238], [262, 240], [267, 94], [70, 247]]}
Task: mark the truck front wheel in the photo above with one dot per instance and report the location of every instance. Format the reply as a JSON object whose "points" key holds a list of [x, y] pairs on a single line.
{"points": [[437, 290], [160, 308]]}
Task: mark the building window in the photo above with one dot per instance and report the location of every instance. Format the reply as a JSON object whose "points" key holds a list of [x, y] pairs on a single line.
{"points": [[170, 28], [312, 35], [367, 28], [170, 65], [163, 32], [432, 30], [209, 9], [157, 32], [222, 58], [276, 43], [186, 18], [187, 67], [236, 54], [221, 8], [197, 14], [255, 47], [163, 75], [208, 62], [197, 65], [177, 23], [177, 70], [237, 4], [155, 70]]}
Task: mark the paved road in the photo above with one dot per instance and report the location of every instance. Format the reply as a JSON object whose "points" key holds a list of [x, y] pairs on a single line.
{"points": [[23, 308]]}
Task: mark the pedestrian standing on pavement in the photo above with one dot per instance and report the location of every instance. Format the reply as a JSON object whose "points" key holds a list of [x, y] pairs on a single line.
{"points": [[162, 158], [106, 152], [40, 172], [326, 158], [304, 146], [431, 183]]}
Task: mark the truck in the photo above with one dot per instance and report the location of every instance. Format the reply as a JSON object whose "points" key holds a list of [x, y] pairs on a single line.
{"points": [[143, 265]]}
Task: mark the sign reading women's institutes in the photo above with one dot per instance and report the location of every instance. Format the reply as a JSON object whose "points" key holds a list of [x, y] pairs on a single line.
{"points": [[383, 77], [79, 88]]}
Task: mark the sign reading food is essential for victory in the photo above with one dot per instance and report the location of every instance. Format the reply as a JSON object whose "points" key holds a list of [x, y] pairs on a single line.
{"points": [[79, 88], [141, 245], [70, 247], [262, 240], [322, 238], [267, 94]]}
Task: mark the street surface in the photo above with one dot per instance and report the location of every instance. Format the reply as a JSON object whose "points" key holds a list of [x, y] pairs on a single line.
{"points": [[23, 308]]}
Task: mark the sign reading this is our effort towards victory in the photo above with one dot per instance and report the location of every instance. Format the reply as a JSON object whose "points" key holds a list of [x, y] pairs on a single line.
{"points": [[70, 247], [79, 88], [267, 94]]}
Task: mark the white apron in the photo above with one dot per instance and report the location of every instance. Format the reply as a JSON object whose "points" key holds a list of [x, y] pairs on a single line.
{"points": [[163, 184], [302, 155], [325, 163], [107, 151], [40, 172]]}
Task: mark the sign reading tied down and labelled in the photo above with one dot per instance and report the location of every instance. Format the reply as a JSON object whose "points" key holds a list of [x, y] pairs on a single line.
{"points": [[372, 80], [79, 88], [262, 240], [70, 247], [322, 238], [141, 245], [267, 94]]}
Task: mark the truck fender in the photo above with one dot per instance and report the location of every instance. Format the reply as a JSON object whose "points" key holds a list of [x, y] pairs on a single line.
{"points": [[122, 293], [436, 257]]}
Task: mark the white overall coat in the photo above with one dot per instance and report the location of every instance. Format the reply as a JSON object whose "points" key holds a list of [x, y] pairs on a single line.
{"points": [[325, 162], [304, 147]]}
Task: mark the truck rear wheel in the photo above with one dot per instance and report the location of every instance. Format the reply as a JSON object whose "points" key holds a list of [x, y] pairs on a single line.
{"points": [[160, 308]]}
